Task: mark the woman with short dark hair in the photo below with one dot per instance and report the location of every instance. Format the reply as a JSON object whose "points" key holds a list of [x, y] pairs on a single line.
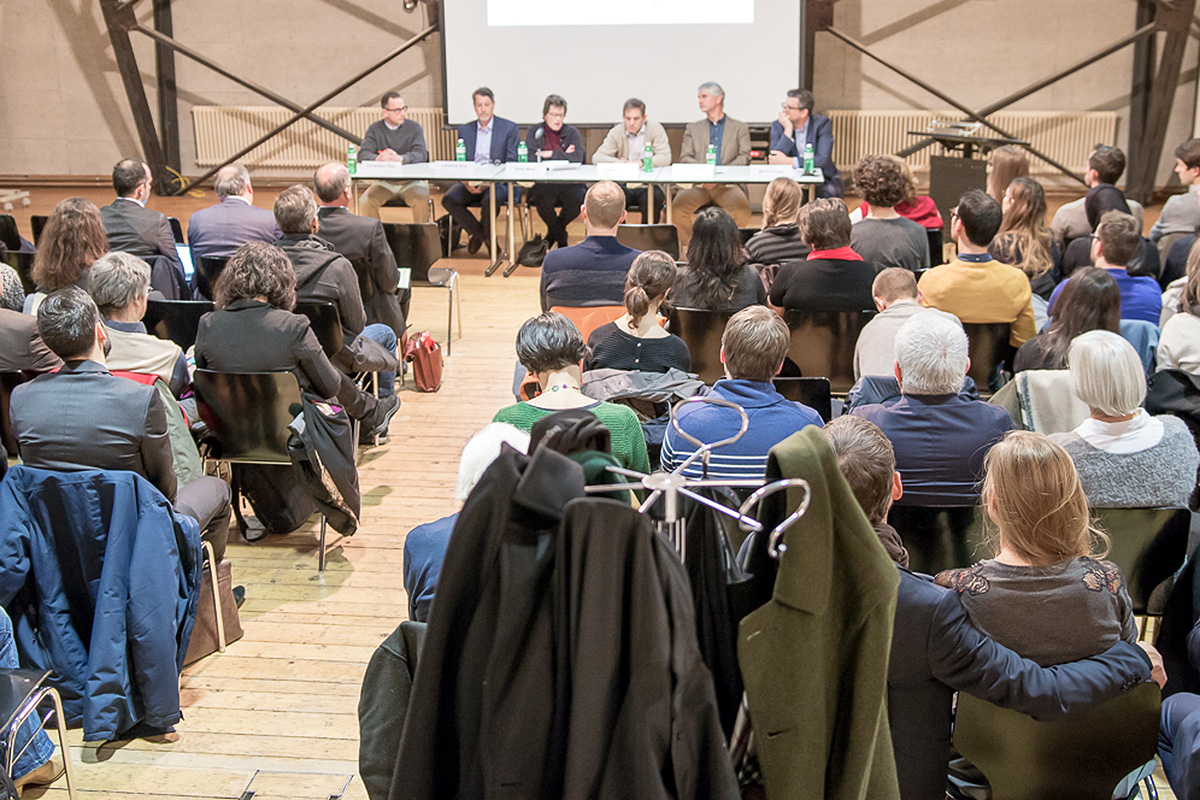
{"points": [[717, 275], [833, 277]]}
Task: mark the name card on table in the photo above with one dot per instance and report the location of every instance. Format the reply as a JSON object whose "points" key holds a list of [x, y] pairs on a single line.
{"points": [[454, 168], [772, 170], [618, 171], [693, 172]]}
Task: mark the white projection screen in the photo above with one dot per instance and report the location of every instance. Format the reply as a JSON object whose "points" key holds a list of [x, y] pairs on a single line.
{"points": [[598, 53]]}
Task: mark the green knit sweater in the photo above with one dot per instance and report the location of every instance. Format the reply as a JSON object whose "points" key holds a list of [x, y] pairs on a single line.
{"points": [[628, 442]]}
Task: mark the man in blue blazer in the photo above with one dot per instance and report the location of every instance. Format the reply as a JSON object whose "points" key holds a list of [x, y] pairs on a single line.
{"points": [[489, 140], [222, 228], [798, 126]]}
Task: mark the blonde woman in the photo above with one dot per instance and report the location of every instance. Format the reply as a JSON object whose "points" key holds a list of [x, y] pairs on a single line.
{"points": [[1024, 239], [1004, 165], [780, 239]]}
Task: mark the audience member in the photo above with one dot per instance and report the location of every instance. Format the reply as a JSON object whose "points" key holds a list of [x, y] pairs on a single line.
{"points": [[780, 239], [1024, 240], [71, 242], [12, 293], [636, 341], [83, 417], [1117, 240], [883, 237], [626, 143], [220, 229], [363, 242], [919, 208], [717, 275], [133, 228], [1004, 165], [1125, 457], [1105, 166], [1091, 301], [753, 347], [730, 140], [489, 140], [895, 294], [975, 287], [425, 545], [554, 140], [1179, 344], [398, 139], [119, 283], [1174, 269], [939, 435], [796, 127], [253, 330], [551, 348], [1181, 214], [1098, 202], [593, 271], [833, 277], [21, 346], [323, 274]]}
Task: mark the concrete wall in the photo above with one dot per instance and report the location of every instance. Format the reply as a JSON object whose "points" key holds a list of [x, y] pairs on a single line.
{"points": [[64, 110]]}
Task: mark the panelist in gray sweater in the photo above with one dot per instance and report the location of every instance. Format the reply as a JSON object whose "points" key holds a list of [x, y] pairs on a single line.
{"points": [[395, 138]]}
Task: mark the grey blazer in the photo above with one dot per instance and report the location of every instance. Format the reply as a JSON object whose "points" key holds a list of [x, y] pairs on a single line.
{"points": [[141, 231]]}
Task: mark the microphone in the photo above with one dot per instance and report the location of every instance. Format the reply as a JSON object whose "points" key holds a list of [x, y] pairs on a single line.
{"points": [[537, 137]]}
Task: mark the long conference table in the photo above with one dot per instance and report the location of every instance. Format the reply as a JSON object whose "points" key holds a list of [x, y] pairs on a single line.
{"points": [[555, 172]]}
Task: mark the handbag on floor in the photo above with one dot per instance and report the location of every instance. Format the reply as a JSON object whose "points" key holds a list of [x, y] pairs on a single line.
{"points": [[426, 357], [204, 633]]}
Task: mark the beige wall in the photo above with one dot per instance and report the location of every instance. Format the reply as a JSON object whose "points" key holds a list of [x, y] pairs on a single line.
{"points": [[64, 110]]}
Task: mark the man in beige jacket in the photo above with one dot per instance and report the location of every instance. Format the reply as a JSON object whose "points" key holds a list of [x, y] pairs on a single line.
{"points": [[626, 143], [731, 137]]}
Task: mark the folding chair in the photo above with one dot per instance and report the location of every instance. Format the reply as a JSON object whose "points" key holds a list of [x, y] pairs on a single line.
{"points": [[701, 330], [822, 344], [650, 237], [208, 269], [416, 247], [176, 320], [22, 692]]}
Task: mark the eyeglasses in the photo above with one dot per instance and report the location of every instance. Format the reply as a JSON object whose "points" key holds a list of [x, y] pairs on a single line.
{"points": [[786, 107], [394, 110], [954, 213]]}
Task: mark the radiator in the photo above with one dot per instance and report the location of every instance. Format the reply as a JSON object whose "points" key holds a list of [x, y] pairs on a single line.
{"points": [[1065, 136], [222, 131]]}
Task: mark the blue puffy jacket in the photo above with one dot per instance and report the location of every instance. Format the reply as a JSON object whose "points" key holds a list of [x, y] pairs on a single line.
{"points": [[100, 577]]}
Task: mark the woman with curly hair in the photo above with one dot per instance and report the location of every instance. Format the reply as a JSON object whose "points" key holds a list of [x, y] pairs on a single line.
{"points": [[71, 242], [717, 275], [883, 236], [1024, 239]]}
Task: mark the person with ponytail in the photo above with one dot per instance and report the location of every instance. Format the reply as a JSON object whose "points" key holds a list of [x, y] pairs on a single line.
{"points": [[636, 342]]}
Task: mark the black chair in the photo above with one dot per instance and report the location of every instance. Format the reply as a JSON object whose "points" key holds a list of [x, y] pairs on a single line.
{"points": [[822, 345], [10, 237], [701, 330], [416, 247], [935, 246], [176, 230], [22, 692], [247, 414], [650, 237], [37, 222], [176, 320], [938, 537], [325, 323], [1148, 544], [23, 264], [208, 269], [990, 353], [746, 233], [812, 392]]}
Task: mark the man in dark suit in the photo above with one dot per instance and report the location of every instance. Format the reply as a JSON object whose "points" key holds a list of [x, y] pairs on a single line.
{"points": [[222, 228], [132, 228], [591, 273], [84, 417], [937, 650], [489, 140], [798, 126], [21, 347], [363, 242]]}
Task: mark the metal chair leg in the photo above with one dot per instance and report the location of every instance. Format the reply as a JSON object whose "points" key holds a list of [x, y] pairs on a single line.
{"points": [[61, 724], [321, 551], [216, 595], [28, 710], [450, 319]]}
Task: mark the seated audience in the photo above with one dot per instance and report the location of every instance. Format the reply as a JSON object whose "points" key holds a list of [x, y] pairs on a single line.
{"points": [[489, 140], [937, 650], [551, 348], [798, 126], [882, 236], [120, 285], [12, 293], [21, 346], [1181, 214], [591, 273], [919, 208], [1105, 166], [131, 227], [1179, 344], [717, 275], [780, 239], [1099, 201], [626, 142], [84, 417], [833, 277], [1125, 457], [220, 229], [1090, 301], [636, 341], [1175, 265], [425, 545], [939, 435], [895, 294], [324, 274], [975, 287], [1024, 240], [395, 138], [554, 140], [753, 347], [1116, 241], [253, 330], [731, 138], [71, 242], [1004, 165]]}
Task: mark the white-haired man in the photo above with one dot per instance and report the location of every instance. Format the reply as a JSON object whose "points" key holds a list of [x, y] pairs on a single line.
{"points": [[222, 228], [730, 138], [940, 436]]}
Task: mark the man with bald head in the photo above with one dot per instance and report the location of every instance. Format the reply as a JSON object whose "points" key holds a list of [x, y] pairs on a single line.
{"points": [[222, 228], [591, 273]]}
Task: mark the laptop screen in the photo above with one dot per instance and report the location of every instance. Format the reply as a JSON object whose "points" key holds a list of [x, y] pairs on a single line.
{"points": [[185, 256]]}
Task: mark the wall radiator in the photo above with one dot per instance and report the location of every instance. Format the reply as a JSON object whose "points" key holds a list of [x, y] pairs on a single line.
{"points": [[222, 131]]}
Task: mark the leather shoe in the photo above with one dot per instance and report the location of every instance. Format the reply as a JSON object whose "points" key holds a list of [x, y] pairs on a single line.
{"points": [[44, 775], [377, 423], [239, 595], [474, 244]]}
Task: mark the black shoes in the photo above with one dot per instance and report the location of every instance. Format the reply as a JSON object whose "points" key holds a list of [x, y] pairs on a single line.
{"points": [[473, 244], [377, 424], [239, 595]]}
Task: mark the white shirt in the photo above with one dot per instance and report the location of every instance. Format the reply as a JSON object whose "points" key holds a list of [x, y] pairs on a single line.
{"points": [[637, 143], [141, 203], [1122, 438]]}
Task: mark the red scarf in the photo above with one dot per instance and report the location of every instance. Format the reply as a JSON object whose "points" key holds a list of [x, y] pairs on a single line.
{"points": [[836, 254]]}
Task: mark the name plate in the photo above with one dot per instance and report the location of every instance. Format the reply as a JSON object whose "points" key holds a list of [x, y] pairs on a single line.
{"points": [[616, 170], [772, 170], [693, 172]]}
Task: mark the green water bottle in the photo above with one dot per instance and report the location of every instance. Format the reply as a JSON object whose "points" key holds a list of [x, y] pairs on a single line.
{"points": [[647, 159], [809, 163], [522, 153], [460, 151], [710, 157], [351, 159]]}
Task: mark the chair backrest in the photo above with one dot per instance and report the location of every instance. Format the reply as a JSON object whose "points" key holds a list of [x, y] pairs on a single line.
{"points": [[8, 382], [1148, 544], [325, 322], [23, 264], [701, 330], [746, 233], [208, 269], [1144, 336], [938, 537], [176, 230], [588, 318], [812, 392], [650, 237], [988, 348], [822, 344], [248, 413], [176, 320], [415, 246], [37, 222], [1083, 755], [1166, 243], [935, 246], [9, 235]]}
